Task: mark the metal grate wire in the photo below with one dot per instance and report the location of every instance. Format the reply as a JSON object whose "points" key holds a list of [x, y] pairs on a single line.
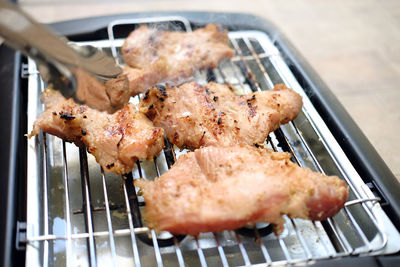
{"points": [[107, 227]]}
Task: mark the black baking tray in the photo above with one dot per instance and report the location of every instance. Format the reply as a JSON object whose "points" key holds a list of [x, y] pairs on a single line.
{"points": [[356, 146], [12, 154]]}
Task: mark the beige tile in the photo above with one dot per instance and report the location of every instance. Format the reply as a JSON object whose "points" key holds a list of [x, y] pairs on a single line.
{"points": [[356, 73], [379, 118]]}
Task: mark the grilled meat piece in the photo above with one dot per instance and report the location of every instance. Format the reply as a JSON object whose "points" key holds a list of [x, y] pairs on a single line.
{"points": [[224, 188], [96, 94], [193, 115], [183, 52], [116, 140], [155, 56]]}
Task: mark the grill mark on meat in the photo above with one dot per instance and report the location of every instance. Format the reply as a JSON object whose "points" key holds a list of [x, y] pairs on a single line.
{"points": [[201, 139], [66, 115], [146, 95], [109, 166], [252, 109], [251, 99], [220, 114], [162, 89]]}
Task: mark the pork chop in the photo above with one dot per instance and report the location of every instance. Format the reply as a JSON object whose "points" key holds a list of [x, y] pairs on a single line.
{"points": [[116, 140], [224, 188], [193, 115]]}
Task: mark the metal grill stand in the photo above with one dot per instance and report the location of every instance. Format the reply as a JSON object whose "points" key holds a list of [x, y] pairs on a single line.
{"points": [[104, 227]]}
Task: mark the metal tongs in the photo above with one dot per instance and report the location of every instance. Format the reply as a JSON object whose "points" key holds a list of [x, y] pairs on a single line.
{"points": [[57, 61]]}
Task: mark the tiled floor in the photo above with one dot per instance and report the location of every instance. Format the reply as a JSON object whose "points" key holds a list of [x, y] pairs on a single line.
{"points": [[353, 45]]}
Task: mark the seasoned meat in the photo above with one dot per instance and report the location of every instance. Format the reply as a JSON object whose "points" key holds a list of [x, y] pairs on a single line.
{"points": [[182, 52], [116, 140], [155, 56], [224, 188], [193, 115], [96, 94]]}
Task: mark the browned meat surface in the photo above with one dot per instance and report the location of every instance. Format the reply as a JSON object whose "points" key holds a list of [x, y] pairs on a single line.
{"points": [[224, 188], [182, 52], [193, 115], [155, 56], [116, 140], [96, 95]]}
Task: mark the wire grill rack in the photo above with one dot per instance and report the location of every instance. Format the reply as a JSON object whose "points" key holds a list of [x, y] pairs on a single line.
{"points": [[78, 215]]}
